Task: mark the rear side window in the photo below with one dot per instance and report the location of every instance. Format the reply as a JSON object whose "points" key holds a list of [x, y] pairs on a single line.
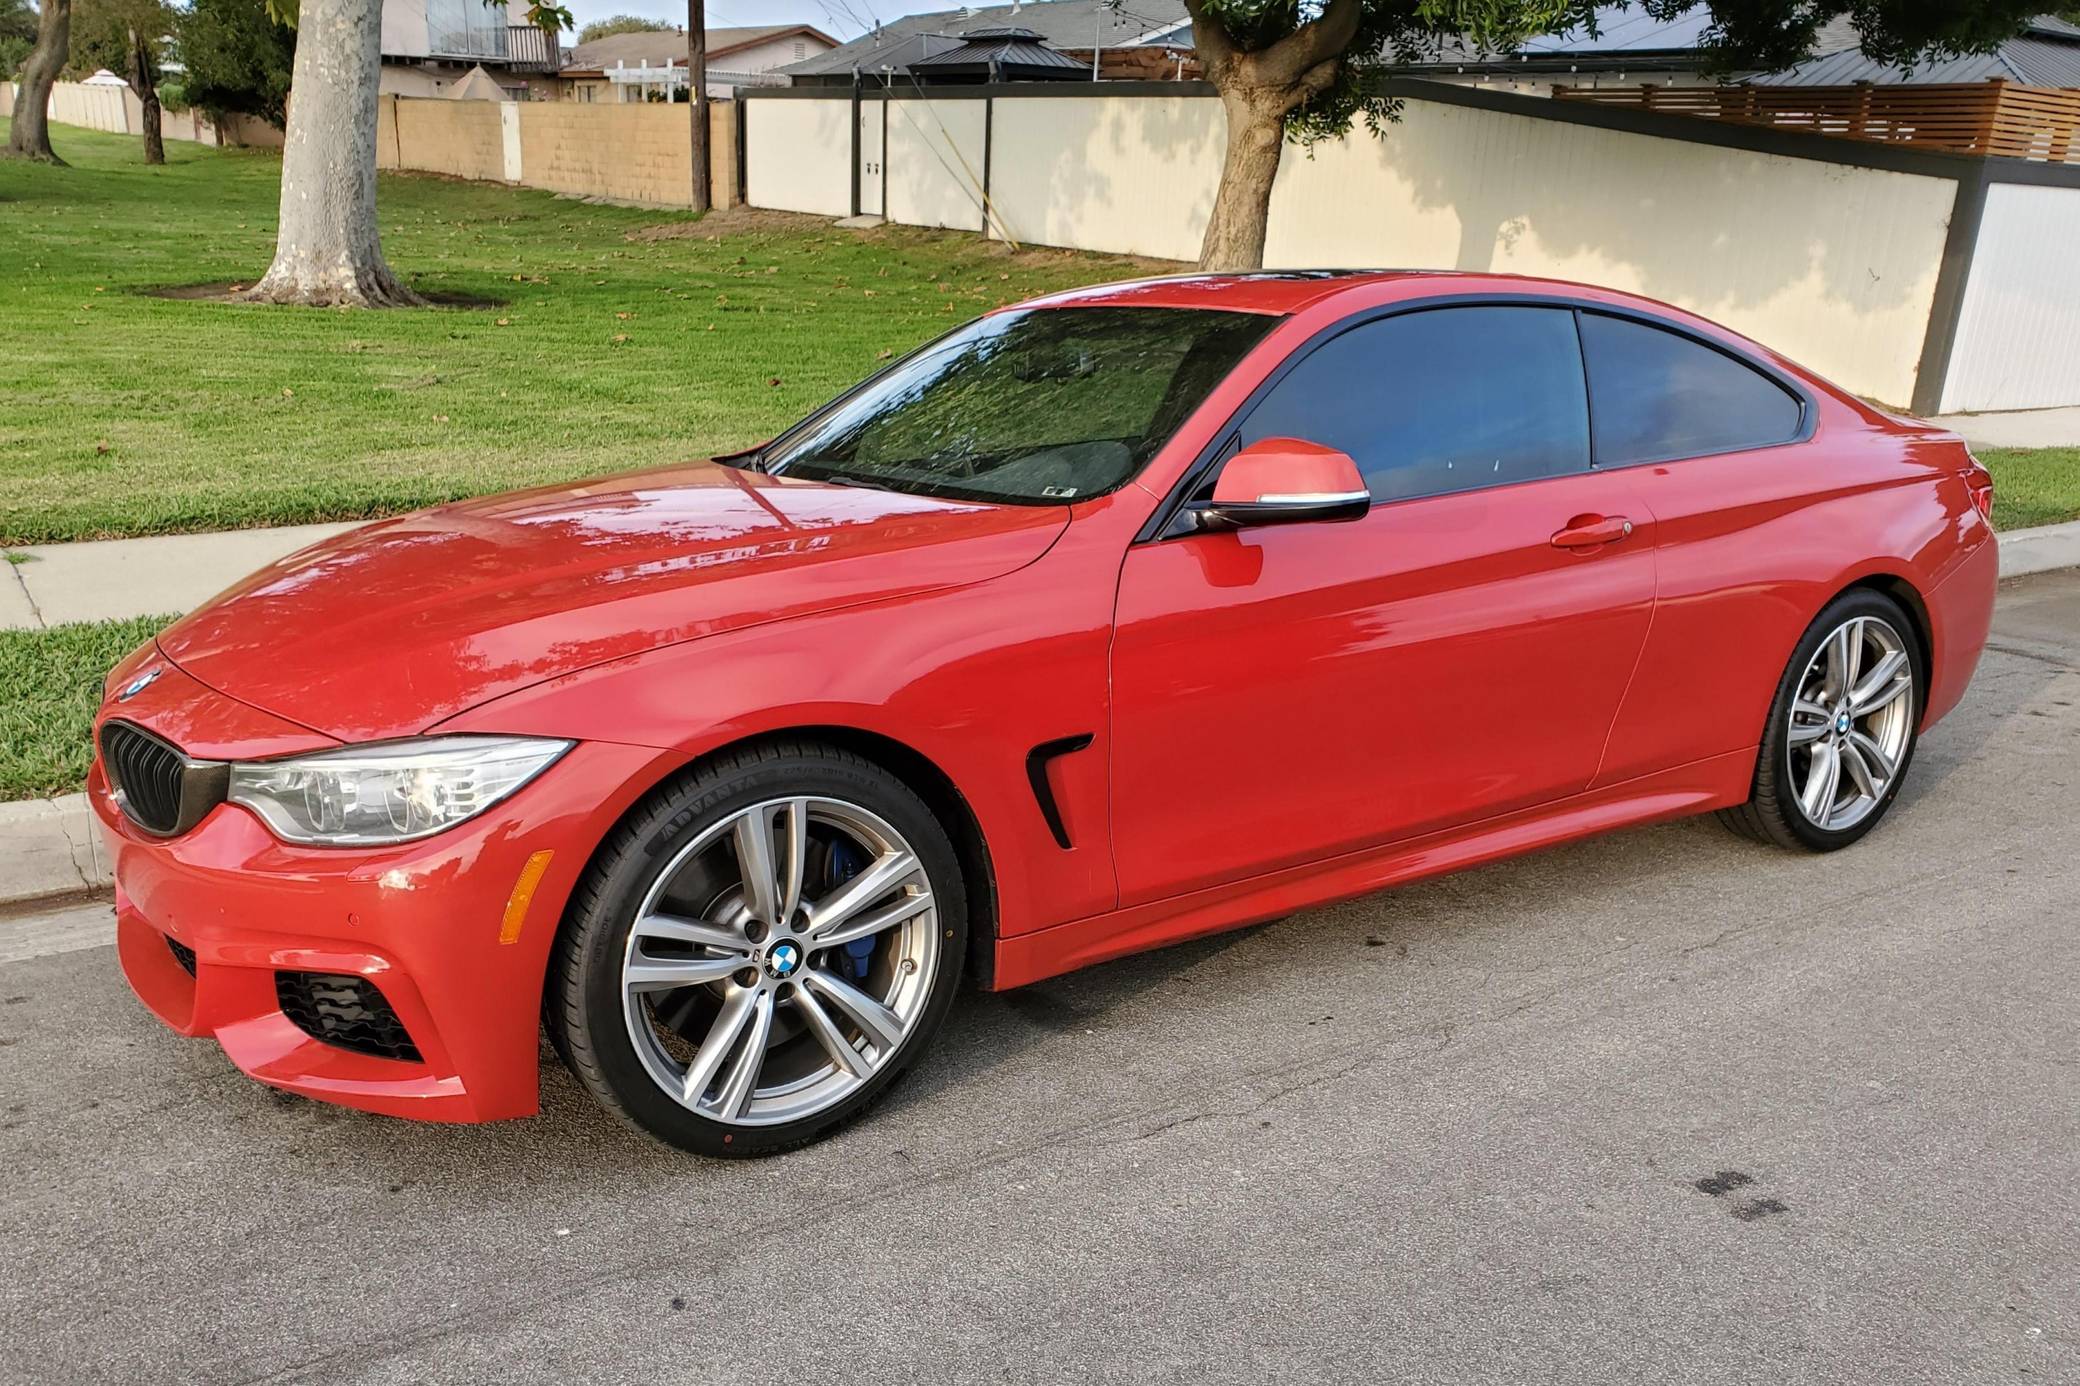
{"points": [[1660, 395], [1442, 400]]}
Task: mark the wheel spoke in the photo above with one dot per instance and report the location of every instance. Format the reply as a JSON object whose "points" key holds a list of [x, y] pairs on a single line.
{"points": [[1882, 686], [883, 1027], [754, 841], [1844, 658], [1859, 770], [722, 1037], [862, 890], [794, 856], [1823, 777], [1881, 764], [827, 1034], [872, 922], [1809, 721], [751, 1057], [646, 974], [682, 930]]}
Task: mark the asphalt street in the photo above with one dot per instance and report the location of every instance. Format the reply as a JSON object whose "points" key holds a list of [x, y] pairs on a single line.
{"points": [[1661, 1107]]}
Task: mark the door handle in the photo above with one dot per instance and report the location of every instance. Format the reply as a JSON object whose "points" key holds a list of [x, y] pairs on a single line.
{"points": [[1591, 531]]}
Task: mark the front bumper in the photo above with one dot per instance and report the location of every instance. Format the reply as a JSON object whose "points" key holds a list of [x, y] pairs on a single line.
{"points": [[424, 923]]}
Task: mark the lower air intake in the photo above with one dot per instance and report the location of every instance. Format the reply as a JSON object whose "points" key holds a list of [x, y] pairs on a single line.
{"points": [[344, 1011]]}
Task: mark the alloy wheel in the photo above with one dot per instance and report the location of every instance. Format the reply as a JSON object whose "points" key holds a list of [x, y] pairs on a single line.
{"points": [[779, 960], [1850, 722]]}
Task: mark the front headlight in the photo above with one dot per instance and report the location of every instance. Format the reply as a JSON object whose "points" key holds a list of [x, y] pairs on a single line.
{"points": [[391, 792]]}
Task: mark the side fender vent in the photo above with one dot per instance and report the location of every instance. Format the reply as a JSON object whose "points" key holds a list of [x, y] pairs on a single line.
{"points": [[1037, 761]]}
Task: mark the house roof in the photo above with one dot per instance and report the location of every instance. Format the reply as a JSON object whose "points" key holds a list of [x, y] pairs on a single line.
{"points": [[1008, 50], [910, 39], [2046, 54], [660, 48]]}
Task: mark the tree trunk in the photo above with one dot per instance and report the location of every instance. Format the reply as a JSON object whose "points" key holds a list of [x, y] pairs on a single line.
{"points": [[326, 249], [30, 135], [1242, 207], [144, 81], [697, 96]]}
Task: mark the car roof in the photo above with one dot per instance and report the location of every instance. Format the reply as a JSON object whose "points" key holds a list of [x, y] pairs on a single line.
{"points": [[1277, 292]]}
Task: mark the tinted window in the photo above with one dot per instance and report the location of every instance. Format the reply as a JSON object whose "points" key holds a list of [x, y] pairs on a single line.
{"points": [[1659, 395], [1037, 406], [1446, 399]]}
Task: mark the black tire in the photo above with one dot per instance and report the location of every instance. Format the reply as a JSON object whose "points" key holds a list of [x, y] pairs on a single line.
{"points": [[582, 1001], [1772, 814]]}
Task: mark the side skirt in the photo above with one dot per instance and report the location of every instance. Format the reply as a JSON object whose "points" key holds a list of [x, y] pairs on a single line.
{"points": [[1717, 782]]}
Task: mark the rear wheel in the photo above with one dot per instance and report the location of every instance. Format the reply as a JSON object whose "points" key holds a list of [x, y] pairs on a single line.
{"points": [[760, 951], [1842, 729]]}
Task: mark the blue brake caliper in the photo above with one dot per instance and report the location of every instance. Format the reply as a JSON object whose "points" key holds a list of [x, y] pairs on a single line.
{"points": [[846, 862]]}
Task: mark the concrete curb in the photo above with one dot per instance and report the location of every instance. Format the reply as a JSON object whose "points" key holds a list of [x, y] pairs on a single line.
{"points": [[52, 847], [2041, 549]]}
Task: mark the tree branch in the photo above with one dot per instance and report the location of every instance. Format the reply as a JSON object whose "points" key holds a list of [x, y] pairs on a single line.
{"points": [[1210, 37], [1320, 40]]}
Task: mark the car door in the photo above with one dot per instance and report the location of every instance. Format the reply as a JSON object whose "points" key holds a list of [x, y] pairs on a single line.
{"points": [[1287, 693], [1715, 444]]}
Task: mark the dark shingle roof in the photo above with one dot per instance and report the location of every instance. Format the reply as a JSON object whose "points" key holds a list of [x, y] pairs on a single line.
{"points": [[1055, 23], [2047, 54]]}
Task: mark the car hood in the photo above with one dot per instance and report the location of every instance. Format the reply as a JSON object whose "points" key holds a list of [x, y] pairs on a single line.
{"points": [[399, 625]]}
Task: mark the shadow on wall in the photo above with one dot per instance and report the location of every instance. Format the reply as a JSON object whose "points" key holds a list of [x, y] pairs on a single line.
{"points": [[1131, 176], [1835, 264]]}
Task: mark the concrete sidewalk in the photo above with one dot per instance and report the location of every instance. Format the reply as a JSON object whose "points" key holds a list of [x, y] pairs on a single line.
{"points": [[111, 579], [2021, 428]]}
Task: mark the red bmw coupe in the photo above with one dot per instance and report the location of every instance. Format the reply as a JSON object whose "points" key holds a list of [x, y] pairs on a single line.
{"points": [[1107, 620]]}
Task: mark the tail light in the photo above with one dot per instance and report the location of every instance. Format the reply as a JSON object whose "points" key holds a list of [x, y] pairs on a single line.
{"points": [[1980, 482]]}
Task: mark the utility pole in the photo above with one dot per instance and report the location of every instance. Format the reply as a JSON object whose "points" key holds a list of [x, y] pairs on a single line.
{"points": [[697, 94]]}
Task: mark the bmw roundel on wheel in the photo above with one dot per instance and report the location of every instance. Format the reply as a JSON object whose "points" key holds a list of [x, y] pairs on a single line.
{"points": [[1103, 621]]}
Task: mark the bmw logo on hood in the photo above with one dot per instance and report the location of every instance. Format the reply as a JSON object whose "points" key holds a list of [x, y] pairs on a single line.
{"points": [[139, 684]]}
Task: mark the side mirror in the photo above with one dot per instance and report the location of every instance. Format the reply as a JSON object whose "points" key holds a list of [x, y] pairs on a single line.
{"points": [[1285, 481]]}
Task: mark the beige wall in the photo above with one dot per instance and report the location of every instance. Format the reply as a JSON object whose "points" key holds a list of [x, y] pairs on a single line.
{"points": [[935, 163], [97, 108], [1833, 265], [632, 153], [460, 138], [118, 111]]}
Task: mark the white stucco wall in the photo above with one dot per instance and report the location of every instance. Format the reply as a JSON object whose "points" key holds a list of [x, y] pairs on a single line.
{"points": [[1831, 264]]}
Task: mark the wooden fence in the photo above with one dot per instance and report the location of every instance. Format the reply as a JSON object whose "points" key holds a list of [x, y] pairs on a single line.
{"points": [[1996, 117]]}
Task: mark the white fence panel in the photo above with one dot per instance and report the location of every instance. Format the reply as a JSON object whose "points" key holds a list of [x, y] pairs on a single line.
{"points": [[1131, 175], [934, 166], [2018, 337], [798, 154]]}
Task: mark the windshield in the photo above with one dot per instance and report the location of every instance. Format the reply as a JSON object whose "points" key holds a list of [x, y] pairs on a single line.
{"points": [[1042, 406]]}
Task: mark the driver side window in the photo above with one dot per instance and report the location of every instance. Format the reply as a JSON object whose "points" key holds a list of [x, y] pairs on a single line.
{"points": [[1441, 400]]}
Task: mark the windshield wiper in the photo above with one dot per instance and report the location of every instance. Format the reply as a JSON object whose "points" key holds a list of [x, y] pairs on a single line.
{"points": [[860, 482]]}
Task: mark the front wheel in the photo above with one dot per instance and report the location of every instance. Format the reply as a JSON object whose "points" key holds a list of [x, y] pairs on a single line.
{"points": [[1842, 729], [760, 951]]}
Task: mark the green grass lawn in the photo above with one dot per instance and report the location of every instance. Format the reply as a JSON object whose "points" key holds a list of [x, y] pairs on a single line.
{"points": [[50, 684], [2033, 486], [124, 413]]}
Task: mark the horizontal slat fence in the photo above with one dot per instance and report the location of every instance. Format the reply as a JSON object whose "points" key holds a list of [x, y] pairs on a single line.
{"points": [[1998, 117]]}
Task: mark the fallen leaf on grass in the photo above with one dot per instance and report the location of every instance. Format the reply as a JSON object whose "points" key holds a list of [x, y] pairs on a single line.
{"points": [[505, 322]]}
